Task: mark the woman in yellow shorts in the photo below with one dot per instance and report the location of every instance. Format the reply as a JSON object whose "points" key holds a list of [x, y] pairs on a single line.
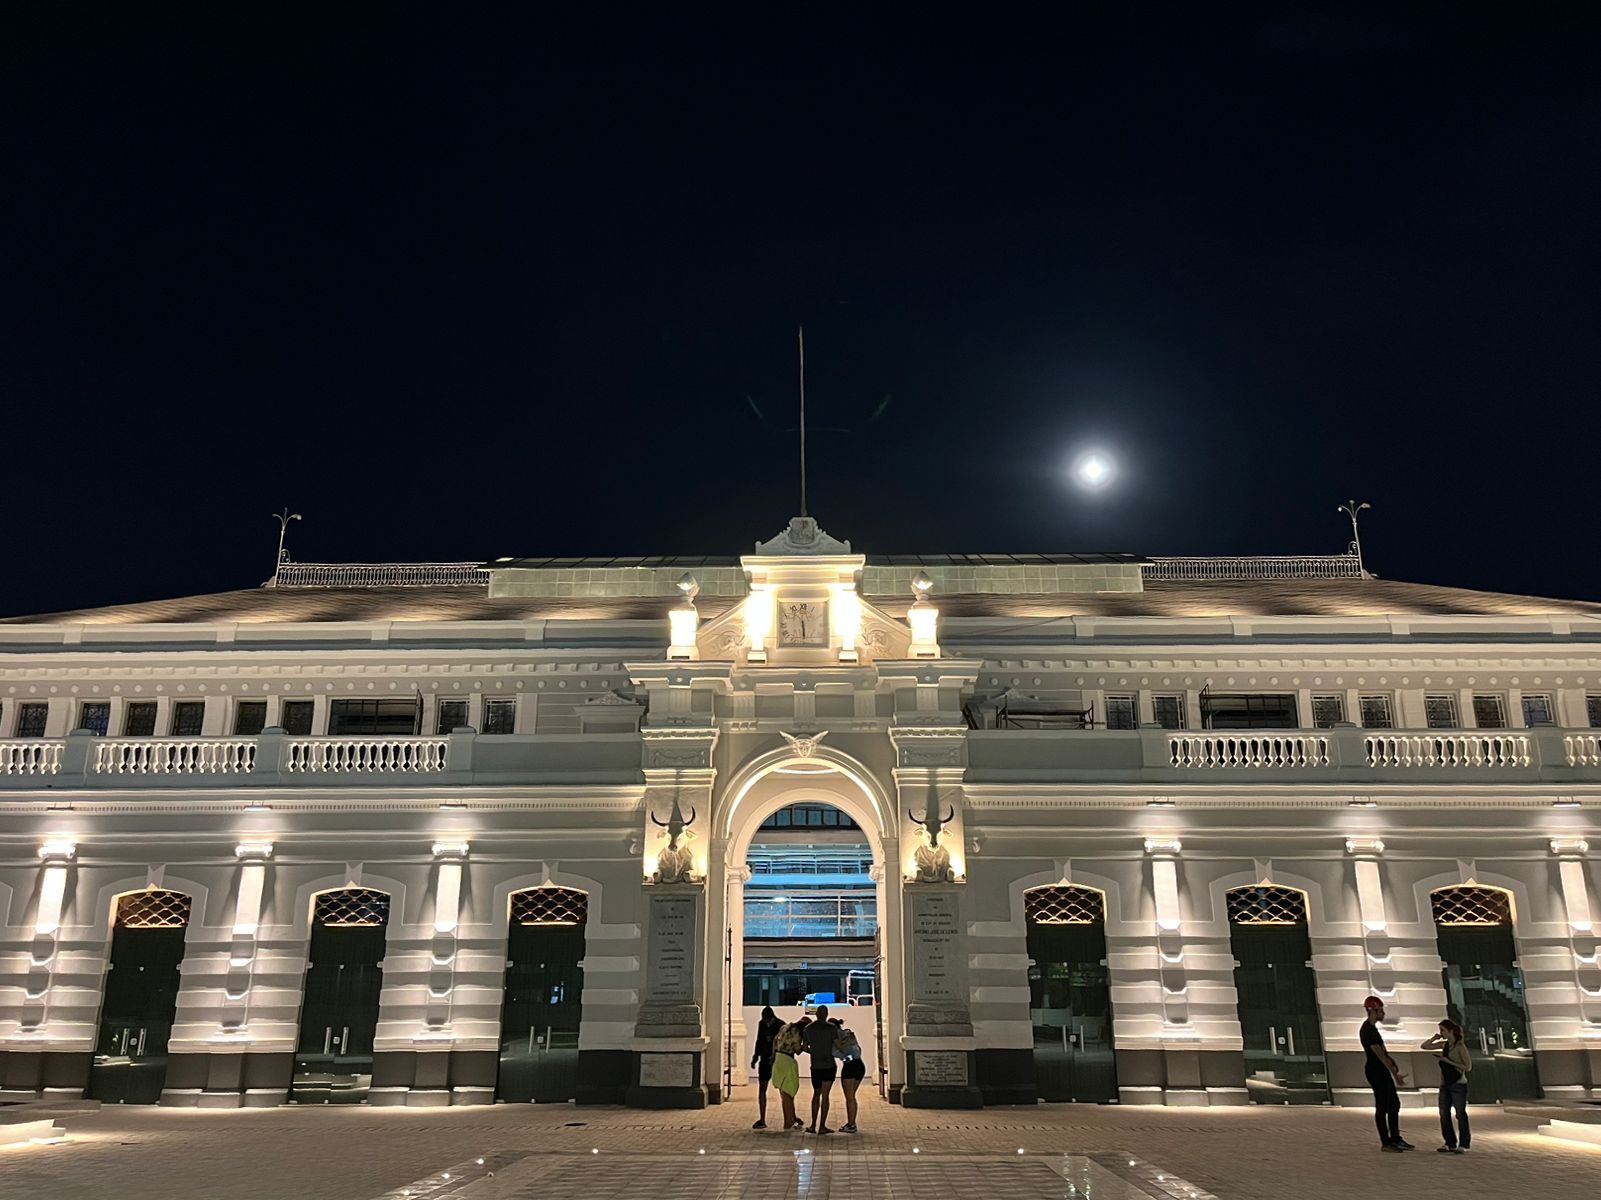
{"points": [[786, 1071]]}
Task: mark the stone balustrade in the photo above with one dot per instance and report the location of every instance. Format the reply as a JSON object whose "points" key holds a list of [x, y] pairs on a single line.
{"points": [[174, 756], [1248, 749], [1448, 749], [347, 755]]}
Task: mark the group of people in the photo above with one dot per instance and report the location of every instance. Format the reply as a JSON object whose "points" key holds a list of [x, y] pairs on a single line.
{"points": [[1385, 1077], [824, 1040]]}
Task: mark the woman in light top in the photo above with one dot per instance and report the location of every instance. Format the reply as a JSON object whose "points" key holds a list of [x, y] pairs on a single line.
{"points": [[787, 1043], [1451, 1052], [852, 1070]]}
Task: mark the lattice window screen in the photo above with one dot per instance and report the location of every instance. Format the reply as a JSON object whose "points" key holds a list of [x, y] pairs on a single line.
{"points": [[1265, 904], [550, 906], [1064, 904], [1471, 904], [153, 909], [353, 906]]}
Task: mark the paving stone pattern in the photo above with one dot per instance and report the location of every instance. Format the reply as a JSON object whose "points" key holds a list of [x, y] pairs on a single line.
{"points": [[360, 1153]]}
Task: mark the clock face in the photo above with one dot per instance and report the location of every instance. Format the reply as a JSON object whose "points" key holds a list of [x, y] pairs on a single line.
{"points": [[803, 624]]}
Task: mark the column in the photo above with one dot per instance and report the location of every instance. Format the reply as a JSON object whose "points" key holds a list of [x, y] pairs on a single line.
{"points": [[1576, 1071], [737, 875]]}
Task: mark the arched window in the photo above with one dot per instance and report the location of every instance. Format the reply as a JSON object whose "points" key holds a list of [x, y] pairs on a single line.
{"points": [[1266, 904], [352, 907], [550, 906], [1064, 904], [153, 908], [1471, 904]]}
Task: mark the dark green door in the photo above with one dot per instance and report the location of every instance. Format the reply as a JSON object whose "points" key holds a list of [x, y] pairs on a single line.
{"points": [[1484, 994], [339, 1008], [543, 1003], [1279, 1019], [1070, 1004], [141, 998]]}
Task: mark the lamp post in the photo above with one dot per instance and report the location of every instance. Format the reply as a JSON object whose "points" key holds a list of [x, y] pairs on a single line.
{"points": [[1350, 508], [283, 520]]}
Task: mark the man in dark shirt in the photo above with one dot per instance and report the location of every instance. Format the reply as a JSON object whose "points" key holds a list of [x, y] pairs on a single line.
{"points": [[820, 1037], [1383, 1074]]}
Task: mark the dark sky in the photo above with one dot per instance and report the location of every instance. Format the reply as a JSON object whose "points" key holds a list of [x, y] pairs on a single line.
{"points": [[518, 281]]}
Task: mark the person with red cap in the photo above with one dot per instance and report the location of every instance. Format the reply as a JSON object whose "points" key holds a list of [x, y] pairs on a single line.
{"points": [[1383, 1074]]}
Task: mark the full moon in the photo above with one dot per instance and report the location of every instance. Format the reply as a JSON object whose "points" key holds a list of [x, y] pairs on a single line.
{"points": [[1093, 470]]}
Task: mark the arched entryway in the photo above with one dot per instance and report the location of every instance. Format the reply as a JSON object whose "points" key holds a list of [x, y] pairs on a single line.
{"points": [[859, 898], [1484, 988], [1070, 999], [543, 1005], [1276, 992], [339, 1005], [141, 997]]}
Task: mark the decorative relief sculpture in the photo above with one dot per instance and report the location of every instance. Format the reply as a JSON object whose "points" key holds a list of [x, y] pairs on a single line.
{"points": [[675, 863], [933, 860], [805, 747]]}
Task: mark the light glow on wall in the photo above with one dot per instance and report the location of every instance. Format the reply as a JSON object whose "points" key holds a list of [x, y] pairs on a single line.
{"points": [[759, 621], [845, 614]]}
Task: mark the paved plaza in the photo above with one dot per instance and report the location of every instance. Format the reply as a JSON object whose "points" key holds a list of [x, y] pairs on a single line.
{"points": [[559, 1151]]}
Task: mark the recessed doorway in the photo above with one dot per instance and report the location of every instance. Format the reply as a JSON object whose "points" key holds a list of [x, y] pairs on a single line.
{"points": [[339, 1011], [543, 1005], [141, 997]]}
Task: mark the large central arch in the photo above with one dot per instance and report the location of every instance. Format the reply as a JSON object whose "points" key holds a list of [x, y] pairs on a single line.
{"points": [[760, 787]]}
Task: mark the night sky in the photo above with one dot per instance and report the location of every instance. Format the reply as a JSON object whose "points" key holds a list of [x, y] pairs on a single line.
{"points": [[526, 282]]}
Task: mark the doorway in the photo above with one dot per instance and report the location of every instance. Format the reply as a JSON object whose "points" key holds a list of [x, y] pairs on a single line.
{"points": [[339, 1014], [1070, 995], [1484, 989], [141, 998], [1277, 996], [810, 927], [543, 1006]]}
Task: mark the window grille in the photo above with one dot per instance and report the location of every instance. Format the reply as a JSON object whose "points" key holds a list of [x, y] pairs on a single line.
{"points": [[153, 909], [500, 716], [1327, 711], [452, 716], [1489, 712], [1440, 712], [249, 717], [1064, 904], [31, 718], [139, 719], [295, 717], [550, 906], [1592, 711], [1471, 904], [1121, 712], [1266, 904], [353, 906], [1376, 713], [188, 718], [95, 716], [1538, 710], [1169, 711]]}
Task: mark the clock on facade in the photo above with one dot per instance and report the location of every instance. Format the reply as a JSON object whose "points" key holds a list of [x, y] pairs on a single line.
{"points": [[803, 623]]}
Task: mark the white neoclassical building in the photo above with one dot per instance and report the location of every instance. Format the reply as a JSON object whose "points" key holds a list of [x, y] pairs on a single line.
{"points": [[1054, 827]]}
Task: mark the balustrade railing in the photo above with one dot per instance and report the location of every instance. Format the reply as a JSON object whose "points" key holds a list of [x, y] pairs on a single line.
{"points": [[1261, 566], [1247, 750], [405, 755], [174, 756], [1444, 749], [30, 756], [1584, 749], [380, 575]]}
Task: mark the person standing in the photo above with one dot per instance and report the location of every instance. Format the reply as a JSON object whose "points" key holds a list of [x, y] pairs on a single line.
{"points": [[1383, 1074], [766, 1030], [820, 1036], [1451, 1052], [789, 1042], [852, 1070]]}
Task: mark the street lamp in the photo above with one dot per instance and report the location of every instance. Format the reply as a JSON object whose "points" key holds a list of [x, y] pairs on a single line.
{"points": [[283, 520], [1350, 508]]}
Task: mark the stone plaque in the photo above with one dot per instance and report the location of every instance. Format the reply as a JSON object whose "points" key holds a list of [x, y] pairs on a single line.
{"points": [[667, 1070], [938, 974], [670, 963], [940, 1068]]}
